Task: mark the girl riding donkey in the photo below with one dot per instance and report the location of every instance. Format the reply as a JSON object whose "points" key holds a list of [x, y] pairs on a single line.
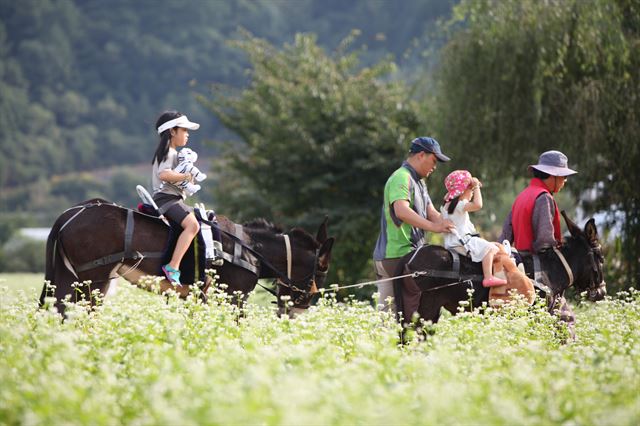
{"points": [[168, 188], [464, 196]]}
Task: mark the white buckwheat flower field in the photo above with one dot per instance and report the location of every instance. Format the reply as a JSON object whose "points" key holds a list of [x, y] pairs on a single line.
{"points": [[144, 359]]}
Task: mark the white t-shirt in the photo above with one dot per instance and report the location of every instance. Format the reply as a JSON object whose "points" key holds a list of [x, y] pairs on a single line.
{"points": [[169, 163]]}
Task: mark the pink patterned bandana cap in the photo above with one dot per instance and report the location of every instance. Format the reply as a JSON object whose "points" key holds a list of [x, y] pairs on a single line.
{"points": [[456, 183]]}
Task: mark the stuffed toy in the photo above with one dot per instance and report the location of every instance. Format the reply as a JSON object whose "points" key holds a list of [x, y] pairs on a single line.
{"points": [[186, 158], [504, 265]]}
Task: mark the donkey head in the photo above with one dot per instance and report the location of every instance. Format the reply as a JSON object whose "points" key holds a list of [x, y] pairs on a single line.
{"points": [[586, 245], [311, 258]]}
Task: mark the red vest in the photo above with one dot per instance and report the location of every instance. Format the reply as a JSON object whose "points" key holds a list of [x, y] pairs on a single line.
{"points": [[522, 212]]}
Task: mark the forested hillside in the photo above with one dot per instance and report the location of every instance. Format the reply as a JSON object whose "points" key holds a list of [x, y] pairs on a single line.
{"points": [[83, 81]]}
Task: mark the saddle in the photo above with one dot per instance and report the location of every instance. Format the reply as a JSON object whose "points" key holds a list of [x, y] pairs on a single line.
{"points": [[213, 254], [442, 266], [456, 269]]}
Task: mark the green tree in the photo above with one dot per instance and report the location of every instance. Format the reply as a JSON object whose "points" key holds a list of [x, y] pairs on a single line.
{"points": [[319, 136], [521, 77], [82, 81]]}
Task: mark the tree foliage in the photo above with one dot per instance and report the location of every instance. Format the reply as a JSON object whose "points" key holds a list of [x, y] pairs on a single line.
{"points": [[319, 133], [521, 77], [83, 81]]}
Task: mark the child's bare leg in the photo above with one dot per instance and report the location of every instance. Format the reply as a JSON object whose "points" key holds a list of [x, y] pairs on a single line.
{"points": [[501, 248], [487, 262], [190, 228], [487, 265]]}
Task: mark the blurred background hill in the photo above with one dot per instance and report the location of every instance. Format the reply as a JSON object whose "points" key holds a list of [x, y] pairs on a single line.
{"points": [[83, 81]]}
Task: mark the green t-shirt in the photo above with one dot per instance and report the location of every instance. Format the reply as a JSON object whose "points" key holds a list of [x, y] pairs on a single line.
{"points": [[396, 237]]}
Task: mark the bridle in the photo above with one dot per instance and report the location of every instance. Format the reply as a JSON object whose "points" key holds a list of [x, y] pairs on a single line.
{"points": [[596, 259], [594, 254], [305, 286]]}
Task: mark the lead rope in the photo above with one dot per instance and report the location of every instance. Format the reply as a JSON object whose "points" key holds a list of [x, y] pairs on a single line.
{"points": [[336, 288]]}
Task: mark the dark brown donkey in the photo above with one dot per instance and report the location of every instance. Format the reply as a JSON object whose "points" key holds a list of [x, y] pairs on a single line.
{"points": [[578, 263], [97, 241]]}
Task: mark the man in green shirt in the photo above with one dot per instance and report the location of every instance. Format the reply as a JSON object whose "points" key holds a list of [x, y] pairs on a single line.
{"points": [[407, 212]]}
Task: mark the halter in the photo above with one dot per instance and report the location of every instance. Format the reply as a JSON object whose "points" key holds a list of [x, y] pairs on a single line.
{"points": [[284, 280], [309, 280], [595, 256], [596, 272]]}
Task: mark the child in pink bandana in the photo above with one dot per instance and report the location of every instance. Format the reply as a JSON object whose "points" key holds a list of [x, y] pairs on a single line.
{"points": [[464, 196]]}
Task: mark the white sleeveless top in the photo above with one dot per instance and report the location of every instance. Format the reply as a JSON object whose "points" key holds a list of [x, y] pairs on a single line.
{"points": [[476, 247]]}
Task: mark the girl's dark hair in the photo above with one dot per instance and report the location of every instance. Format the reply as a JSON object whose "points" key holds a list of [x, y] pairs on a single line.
{"points": [[165, 137], [540, 175], [452, 204]]}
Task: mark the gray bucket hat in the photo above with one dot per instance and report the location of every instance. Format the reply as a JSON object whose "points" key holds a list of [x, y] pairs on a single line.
{"points": [[553, 163]]}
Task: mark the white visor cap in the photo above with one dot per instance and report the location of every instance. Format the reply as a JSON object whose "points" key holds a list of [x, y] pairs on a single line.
{"points": [[181, 121]]}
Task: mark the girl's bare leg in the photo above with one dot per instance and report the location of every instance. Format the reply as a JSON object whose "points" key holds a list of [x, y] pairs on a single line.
{"points": [[190, 228]]}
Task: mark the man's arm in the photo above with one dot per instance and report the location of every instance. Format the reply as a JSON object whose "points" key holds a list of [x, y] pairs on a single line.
{"points": [[433, 223], [542, 221], [507, 230]]}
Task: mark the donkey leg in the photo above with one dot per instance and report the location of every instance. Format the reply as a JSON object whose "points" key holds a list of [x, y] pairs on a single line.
{"points": [[112, 288], [430, 308], [59, 287], [566, 315]]}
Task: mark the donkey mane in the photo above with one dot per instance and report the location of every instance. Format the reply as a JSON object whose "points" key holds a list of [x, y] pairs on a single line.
{"points": [[299, 234], [305, 238], [261, 223]]}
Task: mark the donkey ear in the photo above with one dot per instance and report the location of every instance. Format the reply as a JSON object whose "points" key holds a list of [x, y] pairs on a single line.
{"points": [[573, 228], [324, 255], [591, 231], [322, 231]]}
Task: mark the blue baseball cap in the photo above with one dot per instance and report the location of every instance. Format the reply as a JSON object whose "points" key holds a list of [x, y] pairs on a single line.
{"points": [[427, 144]]}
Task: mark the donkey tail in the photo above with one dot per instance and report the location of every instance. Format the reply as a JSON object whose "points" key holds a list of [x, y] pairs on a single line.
{"points": [[52, 260]]}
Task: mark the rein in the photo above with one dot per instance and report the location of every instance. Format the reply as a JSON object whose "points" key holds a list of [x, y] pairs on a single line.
{"points": [[285, 280]]}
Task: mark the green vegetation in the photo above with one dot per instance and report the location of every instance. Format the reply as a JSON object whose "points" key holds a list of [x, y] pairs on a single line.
{"points": [[517, 78], [144, 359], [319, 133], [84, 81], [29, 285]]}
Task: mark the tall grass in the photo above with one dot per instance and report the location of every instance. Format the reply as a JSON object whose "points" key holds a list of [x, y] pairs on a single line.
{"points": [[144, 359]]}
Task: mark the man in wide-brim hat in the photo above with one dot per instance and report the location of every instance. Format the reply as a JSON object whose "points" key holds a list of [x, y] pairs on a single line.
{"points": [[533, 224]]}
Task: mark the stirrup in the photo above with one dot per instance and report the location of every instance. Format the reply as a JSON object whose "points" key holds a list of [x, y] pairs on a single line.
{"points": [[217, 259]]}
